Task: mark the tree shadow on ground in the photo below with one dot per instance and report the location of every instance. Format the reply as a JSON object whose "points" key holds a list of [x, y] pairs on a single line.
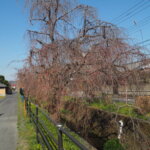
{"points": [[1, 114]]}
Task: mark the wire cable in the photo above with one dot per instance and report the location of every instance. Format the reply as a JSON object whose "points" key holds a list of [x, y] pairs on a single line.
{"points": [[127, 12], [139, 11]]}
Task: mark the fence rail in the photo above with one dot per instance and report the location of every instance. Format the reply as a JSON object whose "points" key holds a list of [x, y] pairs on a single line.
{"points": [[44, 135], [136, 93]]}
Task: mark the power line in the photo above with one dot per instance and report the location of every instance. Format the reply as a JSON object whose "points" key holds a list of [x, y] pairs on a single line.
{"points": [[134, 30], [139, 11], [127, 12], [143, 42], [141, 22]]}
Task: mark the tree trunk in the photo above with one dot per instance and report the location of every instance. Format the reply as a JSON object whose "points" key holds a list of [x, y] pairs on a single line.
{"points": [[115, 88]]}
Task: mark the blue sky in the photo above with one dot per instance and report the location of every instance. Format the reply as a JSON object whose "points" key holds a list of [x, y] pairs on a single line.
{"points": [[14, 23]]}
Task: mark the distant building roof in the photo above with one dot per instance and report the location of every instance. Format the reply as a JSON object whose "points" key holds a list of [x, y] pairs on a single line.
{"points": [[145, 64], [2, 85], [12, 82]]}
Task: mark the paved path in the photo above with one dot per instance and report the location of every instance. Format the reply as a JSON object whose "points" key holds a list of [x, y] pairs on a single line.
{"points": [[8, 123]]}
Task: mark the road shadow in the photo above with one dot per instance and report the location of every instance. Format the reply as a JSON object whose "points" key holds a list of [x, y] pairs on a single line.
{"points": [[1, 114]]}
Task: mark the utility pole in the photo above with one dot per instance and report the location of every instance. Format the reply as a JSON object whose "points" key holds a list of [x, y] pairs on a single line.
{"points": [[104, 35]]}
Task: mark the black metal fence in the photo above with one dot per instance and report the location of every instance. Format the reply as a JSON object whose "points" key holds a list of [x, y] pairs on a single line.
{"points": [[50, 140]]}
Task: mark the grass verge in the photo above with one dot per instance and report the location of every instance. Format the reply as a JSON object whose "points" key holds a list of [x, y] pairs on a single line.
{"points": [[2, 97], [26, 131], [120, 108], [67, 143], [127, 109]]}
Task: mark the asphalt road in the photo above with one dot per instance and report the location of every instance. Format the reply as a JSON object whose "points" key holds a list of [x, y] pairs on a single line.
{"points": [[8, 123]]}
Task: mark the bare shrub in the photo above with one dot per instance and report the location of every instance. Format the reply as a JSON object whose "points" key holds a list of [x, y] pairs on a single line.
{"points": [[143, 102], [107, 99]]}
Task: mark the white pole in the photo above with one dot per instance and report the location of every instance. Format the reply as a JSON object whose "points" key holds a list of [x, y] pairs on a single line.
{"points": [[120, 129]]}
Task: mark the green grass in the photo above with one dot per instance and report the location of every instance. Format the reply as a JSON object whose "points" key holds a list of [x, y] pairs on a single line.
{"points": [[68, 145], [116, 107], [113, 144], [120, 108], [64, 111], [1, 97], [26, 131]]}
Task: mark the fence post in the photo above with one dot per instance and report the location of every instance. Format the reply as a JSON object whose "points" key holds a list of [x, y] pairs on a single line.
{"points": [[37, 120], [60, 139], [29, 110], [27, 104]]}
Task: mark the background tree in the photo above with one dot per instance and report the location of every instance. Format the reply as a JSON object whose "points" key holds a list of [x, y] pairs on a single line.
{"points": [[4, 81], [72, 51]]}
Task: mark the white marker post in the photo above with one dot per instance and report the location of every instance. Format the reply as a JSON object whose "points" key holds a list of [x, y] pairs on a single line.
{"points": [[120, 128]]}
